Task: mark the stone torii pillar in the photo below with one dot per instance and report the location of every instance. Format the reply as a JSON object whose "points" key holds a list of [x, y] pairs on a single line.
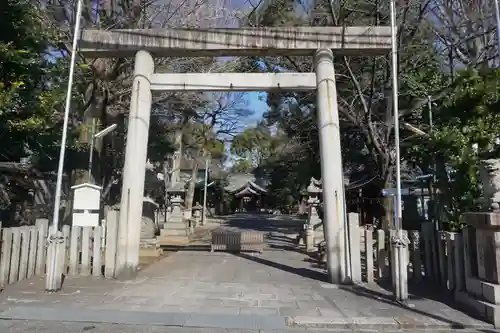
{"points": [[332, 175], [134, 170], [181, 42]]}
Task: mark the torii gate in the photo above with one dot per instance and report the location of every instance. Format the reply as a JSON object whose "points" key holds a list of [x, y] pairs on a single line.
{"points": [[320, 42]]}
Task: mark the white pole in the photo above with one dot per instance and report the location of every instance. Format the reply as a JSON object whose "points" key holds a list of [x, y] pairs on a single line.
{"points": [[204, 216], [91, 152], [396, 109], [429, 106], [434, 167], [51, 276], [398, 242]]}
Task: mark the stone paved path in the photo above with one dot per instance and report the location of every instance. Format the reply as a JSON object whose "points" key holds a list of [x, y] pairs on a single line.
{"points": [[24, 326], [276, 290]]}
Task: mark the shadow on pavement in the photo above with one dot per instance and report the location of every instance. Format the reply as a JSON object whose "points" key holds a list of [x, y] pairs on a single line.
{"points": [[264, 223], [388, 299], [304, 272], [430, 291], [428, 302]]}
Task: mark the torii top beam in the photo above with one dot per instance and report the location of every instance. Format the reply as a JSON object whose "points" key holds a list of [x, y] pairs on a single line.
{"points": [[182, 42]]}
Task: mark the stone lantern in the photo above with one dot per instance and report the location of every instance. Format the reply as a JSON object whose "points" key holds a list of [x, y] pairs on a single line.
{"points": [[313, 219], [197, 209], [176, 230], [489, 171]]}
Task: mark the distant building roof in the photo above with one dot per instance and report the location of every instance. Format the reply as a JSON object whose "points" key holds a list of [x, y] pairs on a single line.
{"points": [[240, 181]]}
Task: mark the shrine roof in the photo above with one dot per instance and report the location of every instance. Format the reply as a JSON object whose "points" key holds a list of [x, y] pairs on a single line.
{"points": [[240, 181]]}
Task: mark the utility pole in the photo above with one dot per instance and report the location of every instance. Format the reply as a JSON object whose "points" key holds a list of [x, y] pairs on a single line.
{"points": [[55, 240], [398, 242]]}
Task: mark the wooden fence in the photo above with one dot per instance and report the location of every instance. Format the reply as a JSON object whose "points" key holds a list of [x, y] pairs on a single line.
{"points": [[431, 256], [88, 250], [23, 252], [91, 250]]}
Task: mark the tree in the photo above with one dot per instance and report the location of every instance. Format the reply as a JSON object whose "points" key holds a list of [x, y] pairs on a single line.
{"points": [[364, 85], [465, 32], [205, 133], [241, 165], [201, 144], [102, 86], [467, 117], [30, 91], [254, 144]]}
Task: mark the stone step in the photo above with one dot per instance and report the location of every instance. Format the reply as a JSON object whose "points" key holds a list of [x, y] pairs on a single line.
{"points": [[150, 252], [176, 228], [173, 240], [175, 225], [173, 232]]}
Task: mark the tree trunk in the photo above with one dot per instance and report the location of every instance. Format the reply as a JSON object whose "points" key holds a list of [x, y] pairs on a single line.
{"points": [[188, 201], [80, 174], [166, 179], [386, 205], [388, 217]]}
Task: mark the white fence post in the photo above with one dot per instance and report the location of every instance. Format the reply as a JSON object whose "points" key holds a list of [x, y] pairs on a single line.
{"points": [[369, 253], [15, 255], [96, 257], [6, 256], [111, 242], [381, 254], [33, 235], [25, 247], [355, 247]]}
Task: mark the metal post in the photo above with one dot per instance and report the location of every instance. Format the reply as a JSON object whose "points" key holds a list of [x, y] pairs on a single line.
{"points": [[396, 109], [347, 240], [432, 180], [53, 279], [91, 152], [398, 243], [429, 109], [204, 216]]}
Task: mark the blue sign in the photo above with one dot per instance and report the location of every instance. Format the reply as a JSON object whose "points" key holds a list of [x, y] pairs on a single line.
{"points": [[390, 192]]}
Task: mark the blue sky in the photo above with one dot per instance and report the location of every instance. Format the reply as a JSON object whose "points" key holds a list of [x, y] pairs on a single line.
{"points": [[258, 106]]}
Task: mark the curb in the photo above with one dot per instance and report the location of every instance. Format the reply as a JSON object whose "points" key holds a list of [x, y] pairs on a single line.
{"points": [[229, 321], [378, 323]]}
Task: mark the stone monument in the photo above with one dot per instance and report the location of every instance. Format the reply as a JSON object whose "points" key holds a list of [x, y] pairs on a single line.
{"points": [[149, 244], [148, 225]]}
